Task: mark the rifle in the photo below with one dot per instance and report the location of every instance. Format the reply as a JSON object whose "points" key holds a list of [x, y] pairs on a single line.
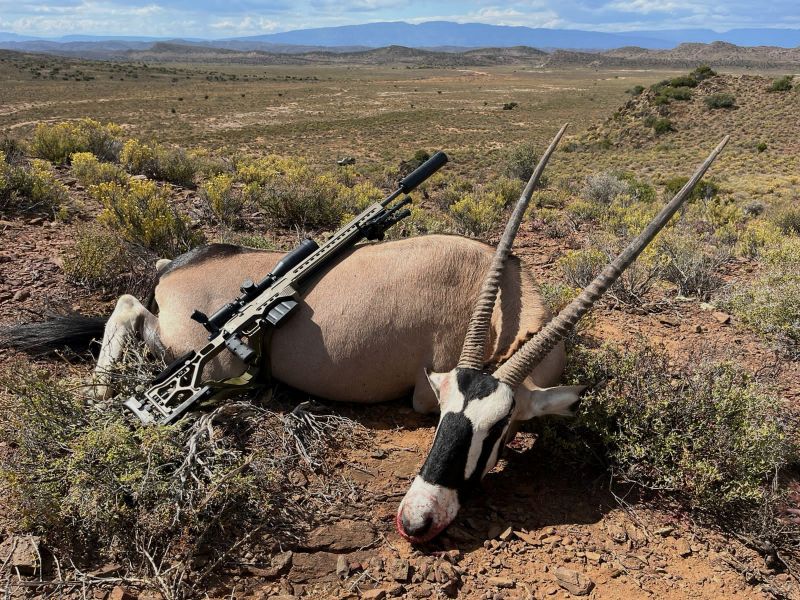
{"points": [[239, 326]]}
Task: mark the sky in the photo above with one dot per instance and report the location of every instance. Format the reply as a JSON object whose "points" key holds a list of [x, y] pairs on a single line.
{"points": [[231, 18]]}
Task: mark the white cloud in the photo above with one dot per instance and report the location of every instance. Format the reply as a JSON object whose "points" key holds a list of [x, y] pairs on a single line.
{"points": [[245, 25]]}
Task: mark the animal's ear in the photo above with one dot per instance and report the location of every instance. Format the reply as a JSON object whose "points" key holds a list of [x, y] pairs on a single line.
{"points": [[436, 380], [547, 401]]}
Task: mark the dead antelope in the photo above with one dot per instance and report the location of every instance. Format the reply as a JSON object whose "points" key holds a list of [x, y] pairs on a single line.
{"points": [[389, 319]]}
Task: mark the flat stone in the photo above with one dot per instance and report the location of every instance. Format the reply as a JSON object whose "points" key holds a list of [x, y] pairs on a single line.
{"points": [[21, 295], [501, 582], [376, 594], [120, 593], [721, 317], [398, 569], [683, 547], [21, 553], [574, 582], [343, 536]]}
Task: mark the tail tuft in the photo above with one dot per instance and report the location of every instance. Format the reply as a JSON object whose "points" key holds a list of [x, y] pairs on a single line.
{"points": [[68, 330]]}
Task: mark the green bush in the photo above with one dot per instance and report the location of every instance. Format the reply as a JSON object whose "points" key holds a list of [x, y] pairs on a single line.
{"points": [[158, 162], [692, 263], [58, 142], [688, 81], [477, 213], [101, 260], [782, 84], [788, 221], [12, 150], [90, 171], [192, 496], [706, 434], [28, 187], [761, 147], [703, 72], [293, 194], [222, 198], [703, 190], [662, 126], [636, 90], [771, 304], [142, 213], [678, 93], [721, 100], [521, 161]]}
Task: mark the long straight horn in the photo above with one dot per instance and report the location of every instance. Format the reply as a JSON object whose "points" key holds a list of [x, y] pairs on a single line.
{"points": [[475, 341], [516, 369]]}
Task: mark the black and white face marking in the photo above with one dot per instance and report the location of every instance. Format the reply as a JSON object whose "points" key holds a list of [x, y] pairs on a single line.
{"points": [[476, 411]]}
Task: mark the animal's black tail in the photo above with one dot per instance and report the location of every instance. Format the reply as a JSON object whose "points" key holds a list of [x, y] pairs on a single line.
{"points": [[59, 331]]}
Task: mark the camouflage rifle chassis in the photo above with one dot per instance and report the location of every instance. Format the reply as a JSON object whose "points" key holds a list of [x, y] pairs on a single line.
{"points": [[263, 305]]}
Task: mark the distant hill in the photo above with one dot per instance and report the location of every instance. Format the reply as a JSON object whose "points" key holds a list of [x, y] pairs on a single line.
{"points": [[439, 36]]}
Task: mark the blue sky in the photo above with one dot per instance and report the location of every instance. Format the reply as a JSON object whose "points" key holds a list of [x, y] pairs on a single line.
{"points": [[203, 18]]}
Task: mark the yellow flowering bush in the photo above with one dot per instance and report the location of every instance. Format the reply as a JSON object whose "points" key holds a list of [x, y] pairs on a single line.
{"points": [[141, 211]]}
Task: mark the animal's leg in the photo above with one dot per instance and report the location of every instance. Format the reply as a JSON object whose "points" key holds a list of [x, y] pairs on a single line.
{"points": [[424, 399], [129, 319]]}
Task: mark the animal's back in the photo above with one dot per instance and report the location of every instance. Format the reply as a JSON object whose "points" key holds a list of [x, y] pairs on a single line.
{"points": [[368, 327]]}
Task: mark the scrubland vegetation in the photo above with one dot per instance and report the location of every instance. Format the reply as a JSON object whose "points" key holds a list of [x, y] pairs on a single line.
{"points": [[708, 436]]}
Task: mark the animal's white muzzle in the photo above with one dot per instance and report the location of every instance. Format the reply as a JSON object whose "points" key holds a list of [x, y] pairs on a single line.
{"points": [[426, 510]]}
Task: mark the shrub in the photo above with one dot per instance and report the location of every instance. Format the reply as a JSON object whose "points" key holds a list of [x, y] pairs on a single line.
{"points": [[782, 84], [158, 162], [662, 126], [222, 199], [639, 191], [771, 304], [603, 188], [581, 211], [692, 263], [478, 212], [192, 496], [761, 146], [706, 434], [90, 171], [510, 105], [142, 213], [703, 72], [720, 101], [678, 93], [12, 150], [292, 194], [687, 81], [704, 189], [101, 260], [636, 90], [33, 186], [521, 161], [788, 221], [58, 142]]}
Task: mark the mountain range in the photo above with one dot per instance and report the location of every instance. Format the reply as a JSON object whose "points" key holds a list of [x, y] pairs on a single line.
{"points": [[438, 35]]}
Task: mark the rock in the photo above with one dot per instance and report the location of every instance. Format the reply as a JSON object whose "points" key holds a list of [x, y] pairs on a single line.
{"points": [[450, 589], [706, 306], [665, 531], [552, 539], [422, 592], [21, 553], [399, 569], [572, 581], [342, 567], [501, 582], [120, 593], [594, 557], [298, 478], [506, 534], [398, 589], [721, 317], [376, 594], [21, 295], [343, 536], [670, 321], [316, 566], [683, 547], [527, 538]]}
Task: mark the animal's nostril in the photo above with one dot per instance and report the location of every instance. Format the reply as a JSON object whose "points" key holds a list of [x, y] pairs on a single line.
{"points": [[417, 529]]}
